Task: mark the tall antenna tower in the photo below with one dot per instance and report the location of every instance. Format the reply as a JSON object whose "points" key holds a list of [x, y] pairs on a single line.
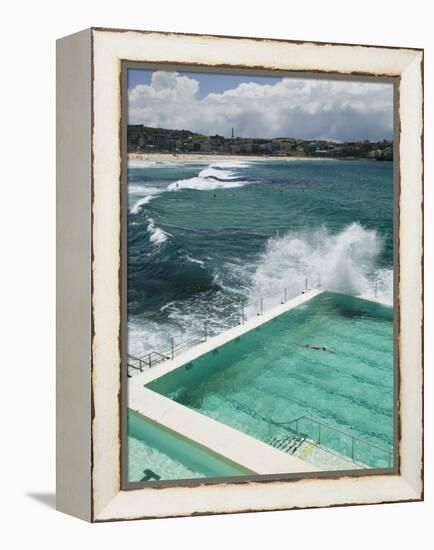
{"points": [[232, 134]]}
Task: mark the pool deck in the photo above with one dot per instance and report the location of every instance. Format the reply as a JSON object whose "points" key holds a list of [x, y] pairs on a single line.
{"points": [[221, 440], [218, 438], [151, 374]]}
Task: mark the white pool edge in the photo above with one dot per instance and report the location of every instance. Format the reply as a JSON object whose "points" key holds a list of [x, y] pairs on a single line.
{"points": [[214, 342], [219, 439]]}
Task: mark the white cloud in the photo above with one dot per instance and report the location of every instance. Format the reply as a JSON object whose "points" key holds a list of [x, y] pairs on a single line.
{"points": [[305, 108]]}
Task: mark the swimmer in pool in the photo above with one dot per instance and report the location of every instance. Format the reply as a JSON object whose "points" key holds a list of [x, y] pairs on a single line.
{"points": [[316, 347]]}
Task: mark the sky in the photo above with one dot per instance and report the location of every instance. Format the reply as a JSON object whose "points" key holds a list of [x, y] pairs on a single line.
{"points": [[259, 106]]}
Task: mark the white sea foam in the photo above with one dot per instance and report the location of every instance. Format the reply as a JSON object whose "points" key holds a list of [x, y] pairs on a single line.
{"points": [[194, 260], [156, 235], [343, 262], [148, 192], [156, 163], [145, 337], [204, 184], [137, 205], [211, 172], [218, 175], [231, 164], [141, 163], [143, 189], [185, 324]]}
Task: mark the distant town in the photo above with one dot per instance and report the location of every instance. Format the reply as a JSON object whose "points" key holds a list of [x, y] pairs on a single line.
{"points": [[143, 139]]}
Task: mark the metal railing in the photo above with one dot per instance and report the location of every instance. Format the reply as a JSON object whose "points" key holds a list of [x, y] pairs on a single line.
{"points": [[246, 309], [258, 306], [319, 441], [149, 360]]}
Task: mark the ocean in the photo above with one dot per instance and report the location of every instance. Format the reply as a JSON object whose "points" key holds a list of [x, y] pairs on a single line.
{"points": [[204, 236]]}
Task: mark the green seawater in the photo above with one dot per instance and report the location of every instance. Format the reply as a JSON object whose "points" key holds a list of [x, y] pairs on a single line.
{"points": [[202, 236]]}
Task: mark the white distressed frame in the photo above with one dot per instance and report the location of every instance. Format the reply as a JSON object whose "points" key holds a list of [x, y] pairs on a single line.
{"points": [[93, 489]]}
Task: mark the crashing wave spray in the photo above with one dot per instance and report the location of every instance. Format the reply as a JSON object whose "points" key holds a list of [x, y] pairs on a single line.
{"points": [[343, 262]]}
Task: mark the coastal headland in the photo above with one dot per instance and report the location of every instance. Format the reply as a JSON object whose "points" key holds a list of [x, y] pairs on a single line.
{"points": [[185, 157], [184, 144]]}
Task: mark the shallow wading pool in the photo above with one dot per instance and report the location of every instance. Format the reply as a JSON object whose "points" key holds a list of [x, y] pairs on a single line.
{"points": [[155, 453]]}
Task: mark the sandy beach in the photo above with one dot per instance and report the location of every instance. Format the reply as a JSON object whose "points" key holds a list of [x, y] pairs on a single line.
{"points": [[167, 157]]}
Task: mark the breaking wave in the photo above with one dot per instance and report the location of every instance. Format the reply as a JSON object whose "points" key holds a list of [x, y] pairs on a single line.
{"points": [[232, 164], [156, 235], [212, 172], [212, 283], [344, 262], [137, 205], [148, 193], [216, 176], [205, 184]]}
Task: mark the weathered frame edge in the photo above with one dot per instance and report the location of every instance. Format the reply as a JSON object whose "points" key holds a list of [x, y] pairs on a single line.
{"points": [[85, 511], [73, 275], [411, 494]]}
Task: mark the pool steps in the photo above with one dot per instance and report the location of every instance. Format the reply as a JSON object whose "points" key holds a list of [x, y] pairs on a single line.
{"points": [[218, 439], [293, 426], [287, 444], [304, 452]]}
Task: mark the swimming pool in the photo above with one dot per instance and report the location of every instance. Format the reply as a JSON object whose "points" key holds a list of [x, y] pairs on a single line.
{"points": [[263, 381], [155, 453]]}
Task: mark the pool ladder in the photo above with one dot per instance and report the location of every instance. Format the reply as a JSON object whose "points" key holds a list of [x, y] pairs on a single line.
{"points": [[294, 427]]}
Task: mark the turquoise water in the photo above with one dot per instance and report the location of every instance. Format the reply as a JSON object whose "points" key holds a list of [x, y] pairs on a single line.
{"points": [[166, 455], [204, 235], [269, 375]]}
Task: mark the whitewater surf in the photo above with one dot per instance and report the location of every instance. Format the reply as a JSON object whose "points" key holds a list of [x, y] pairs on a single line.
{"points": [[202, 237]]}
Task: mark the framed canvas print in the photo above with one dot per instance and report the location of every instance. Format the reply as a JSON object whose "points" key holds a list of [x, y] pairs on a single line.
{"points": [[239, 261]]}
